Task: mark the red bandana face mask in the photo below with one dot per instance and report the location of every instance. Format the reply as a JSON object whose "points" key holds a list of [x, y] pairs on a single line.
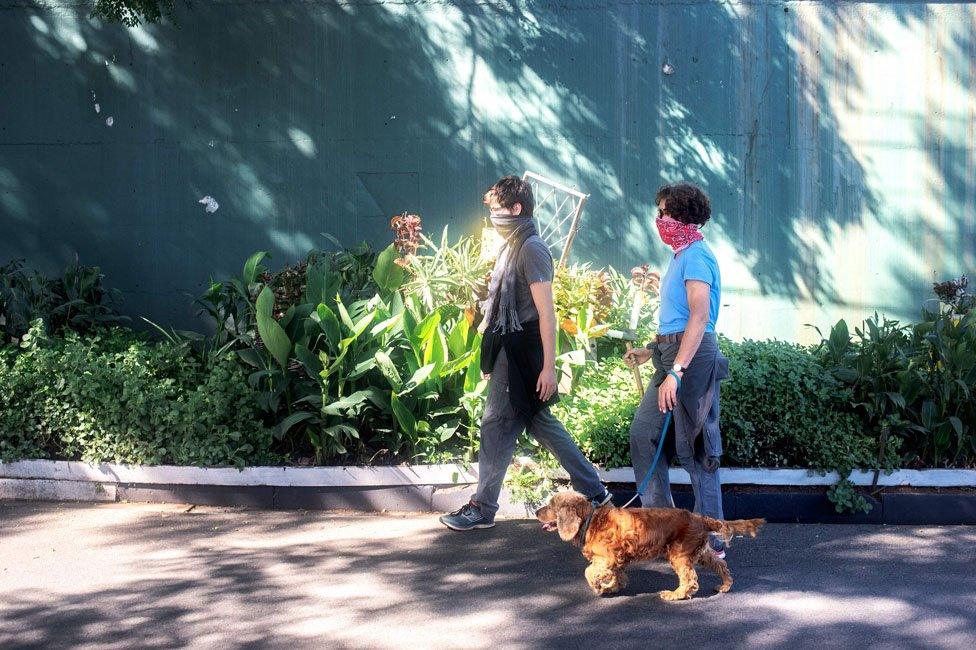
{"points": [[678, 235]]}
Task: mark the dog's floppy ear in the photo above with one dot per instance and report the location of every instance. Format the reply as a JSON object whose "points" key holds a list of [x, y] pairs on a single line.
{"points": [[568, 521]]}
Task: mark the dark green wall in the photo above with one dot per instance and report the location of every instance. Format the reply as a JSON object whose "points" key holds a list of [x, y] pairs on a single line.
{"points": [[836, 139]]}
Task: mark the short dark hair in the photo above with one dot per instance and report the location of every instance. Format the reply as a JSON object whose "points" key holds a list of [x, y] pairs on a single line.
{"points": [[510, 190], [685, 202]]}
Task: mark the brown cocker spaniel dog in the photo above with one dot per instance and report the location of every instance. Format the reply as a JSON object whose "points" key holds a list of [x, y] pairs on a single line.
{"points": [[613, 537]]}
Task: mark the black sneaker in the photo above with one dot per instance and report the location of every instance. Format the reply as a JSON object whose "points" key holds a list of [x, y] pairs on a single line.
{"points": [[467, 517], [717, 546], [602, 500]]}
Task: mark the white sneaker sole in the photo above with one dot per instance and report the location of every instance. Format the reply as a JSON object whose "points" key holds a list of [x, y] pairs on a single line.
{"points": [[491, 525]]}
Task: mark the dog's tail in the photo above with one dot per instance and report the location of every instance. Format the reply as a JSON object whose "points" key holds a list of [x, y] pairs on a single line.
{"points": [[726, 529]]}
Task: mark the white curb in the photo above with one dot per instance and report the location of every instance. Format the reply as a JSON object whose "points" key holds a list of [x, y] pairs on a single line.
{"points": [[49, 490], [438, 475]]}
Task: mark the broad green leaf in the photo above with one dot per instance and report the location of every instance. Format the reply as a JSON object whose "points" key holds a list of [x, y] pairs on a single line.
{"points": [[473, 374], [387, 274], [386, 326], [456, 365], [344, 314], [419, 377], [457, 342], [361, 368], [311, 362], [329, 324], [435, 350], [336, 429], [840, 336], [388, 369], [928, 413], [363, 323], [251, 357], [252, 268], [447, 430], [428, 326], [956, 424], [272, 335], [347, 403], [403, 416], [291, 421], [898, 399]]}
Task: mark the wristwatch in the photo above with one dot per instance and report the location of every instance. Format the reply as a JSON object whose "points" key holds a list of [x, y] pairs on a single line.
{"points": [[677, 367]]}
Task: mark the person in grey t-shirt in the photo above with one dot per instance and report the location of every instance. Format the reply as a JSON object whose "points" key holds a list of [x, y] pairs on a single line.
{"points": [[518, 356]]}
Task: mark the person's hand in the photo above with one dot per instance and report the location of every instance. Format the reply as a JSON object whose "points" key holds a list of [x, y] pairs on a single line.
{"points": [[636, 357], [667, 394], [546, 386], [652, 282], [486, 375]]}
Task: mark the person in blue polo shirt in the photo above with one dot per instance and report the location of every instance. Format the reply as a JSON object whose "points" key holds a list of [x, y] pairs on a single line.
{"points": [[685, 348]]}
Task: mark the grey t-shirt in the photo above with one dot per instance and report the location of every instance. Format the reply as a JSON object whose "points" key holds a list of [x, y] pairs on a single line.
{"points": [[534, 265]]}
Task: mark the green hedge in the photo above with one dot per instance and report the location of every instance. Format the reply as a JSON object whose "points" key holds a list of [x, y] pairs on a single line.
{"points": [[114, 397], [780, 408]]}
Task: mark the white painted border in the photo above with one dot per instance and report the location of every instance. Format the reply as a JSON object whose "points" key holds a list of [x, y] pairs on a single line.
{"points": [[440, 475]]}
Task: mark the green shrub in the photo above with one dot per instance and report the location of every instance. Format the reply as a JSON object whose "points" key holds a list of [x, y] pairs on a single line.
{"points": [[75, 300], [781, 408], [111, 396], [599, 412]]}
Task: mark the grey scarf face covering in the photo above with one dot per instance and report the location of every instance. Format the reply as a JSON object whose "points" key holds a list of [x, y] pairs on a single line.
{"points": [[500, 308]]}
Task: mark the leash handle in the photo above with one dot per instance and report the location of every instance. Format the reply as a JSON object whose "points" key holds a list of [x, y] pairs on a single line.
{"points": [[657, 454]]}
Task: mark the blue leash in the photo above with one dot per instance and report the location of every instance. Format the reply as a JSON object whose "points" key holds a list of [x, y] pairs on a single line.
{"points": [[660, 448]]}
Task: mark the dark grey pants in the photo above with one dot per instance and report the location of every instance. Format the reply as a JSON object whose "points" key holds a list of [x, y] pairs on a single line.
{"points": [[693, 453], [500, 429]]}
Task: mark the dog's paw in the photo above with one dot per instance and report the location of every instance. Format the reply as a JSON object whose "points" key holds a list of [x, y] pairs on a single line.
{"points": [[605, 588], [723, 588], [673, 595], [622, 580]]}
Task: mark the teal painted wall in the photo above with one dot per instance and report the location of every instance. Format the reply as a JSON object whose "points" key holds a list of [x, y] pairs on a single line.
{"points": [[835, 139]]}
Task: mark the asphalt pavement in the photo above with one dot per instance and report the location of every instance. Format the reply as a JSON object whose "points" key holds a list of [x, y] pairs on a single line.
{"points": [[165, 576]]}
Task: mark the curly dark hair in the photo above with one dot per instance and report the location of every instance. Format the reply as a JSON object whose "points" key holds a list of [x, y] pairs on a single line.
{"points": [[510, 190], [685, 202]]}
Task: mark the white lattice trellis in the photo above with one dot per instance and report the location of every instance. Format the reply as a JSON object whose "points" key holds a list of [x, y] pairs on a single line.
{"points": [[558, 209]]}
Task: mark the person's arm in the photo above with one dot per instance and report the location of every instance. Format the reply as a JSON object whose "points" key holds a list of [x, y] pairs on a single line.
{"points": [[699, 298], [699, 301], [542, 297]]}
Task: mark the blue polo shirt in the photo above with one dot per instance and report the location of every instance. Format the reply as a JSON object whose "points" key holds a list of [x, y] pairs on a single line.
{"points": [[697, 262]]}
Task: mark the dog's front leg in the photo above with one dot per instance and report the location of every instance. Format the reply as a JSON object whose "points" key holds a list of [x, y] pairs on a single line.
{"points": [[604, 578]]}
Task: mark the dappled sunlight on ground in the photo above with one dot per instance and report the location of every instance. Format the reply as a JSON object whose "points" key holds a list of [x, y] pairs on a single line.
{"points": [[155, 576]]}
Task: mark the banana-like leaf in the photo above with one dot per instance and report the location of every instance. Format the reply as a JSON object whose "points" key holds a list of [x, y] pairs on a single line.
{"points": [[386, 326], [345, 404], [253, 268], [344, 314], [457, 341], [272, 335], [388, 369], [418, 378], [387, 274], [428, 326], [311, 362], [406, 420], [291, 421], [329, 324]]}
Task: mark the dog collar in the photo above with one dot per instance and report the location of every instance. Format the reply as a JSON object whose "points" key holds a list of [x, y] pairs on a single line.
{"points": [[586, 527]]}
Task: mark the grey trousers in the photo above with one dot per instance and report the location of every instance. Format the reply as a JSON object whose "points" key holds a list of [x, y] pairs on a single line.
{"points": [[500, 428], [645, 432]]}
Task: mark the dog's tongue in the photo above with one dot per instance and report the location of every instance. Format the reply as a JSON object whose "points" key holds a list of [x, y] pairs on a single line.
{"points": [[549, 525]]}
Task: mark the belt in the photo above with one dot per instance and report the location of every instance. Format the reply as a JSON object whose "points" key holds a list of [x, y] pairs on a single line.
{"points": [[670, 338]]}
